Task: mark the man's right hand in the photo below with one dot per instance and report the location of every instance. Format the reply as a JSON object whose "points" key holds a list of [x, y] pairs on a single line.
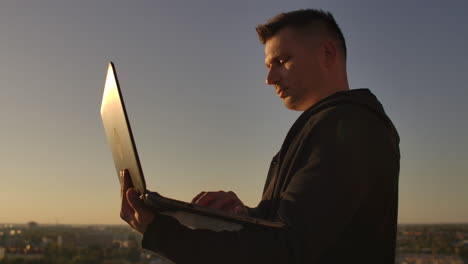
{"points": [[225, 201]]}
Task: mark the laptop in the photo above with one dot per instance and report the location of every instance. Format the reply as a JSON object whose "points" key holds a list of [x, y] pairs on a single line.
{"points": [[125, 155]]}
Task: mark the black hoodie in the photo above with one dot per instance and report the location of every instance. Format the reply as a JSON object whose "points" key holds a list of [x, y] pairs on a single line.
{"points": [[334, 184]]}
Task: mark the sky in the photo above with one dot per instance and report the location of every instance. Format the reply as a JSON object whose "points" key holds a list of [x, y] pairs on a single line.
{"points": [[193, 79]]}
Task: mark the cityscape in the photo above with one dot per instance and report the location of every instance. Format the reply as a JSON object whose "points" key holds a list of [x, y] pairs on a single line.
{"points": [[114, 244]]}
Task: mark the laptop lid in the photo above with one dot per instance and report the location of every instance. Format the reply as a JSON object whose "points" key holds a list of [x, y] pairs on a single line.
{"points": [[118, 131], [122, 145]]}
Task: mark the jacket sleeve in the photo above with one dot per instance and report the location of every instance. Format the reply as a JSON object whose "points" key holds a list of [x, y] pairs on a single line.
{"points": [[180, 244], [339, 156]]}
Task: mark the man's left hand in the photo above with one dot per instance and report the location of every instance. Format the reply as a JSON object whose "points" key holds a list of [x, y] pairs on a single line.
{"points": [[133, 210]]}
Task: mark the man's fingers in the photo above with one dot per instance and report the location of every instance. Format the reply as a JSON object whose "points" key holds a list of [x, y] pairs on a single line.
{"points": [[225, 203], [126, 211], [125, 181], [207, 198], [142, 212], [127, 214], [134, 223], [195, 199], [134, 201], [240, 210], [142, 215], [133, 210]]}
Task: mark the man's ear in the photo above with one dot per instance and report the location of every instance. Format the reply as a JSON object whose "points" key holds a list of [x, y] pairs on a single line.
{"points": [[329, 54]]}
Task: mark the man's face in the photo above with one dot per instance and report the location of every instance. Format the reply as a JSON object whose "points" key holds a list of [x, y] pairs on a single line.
{"points": [[293, 68]]}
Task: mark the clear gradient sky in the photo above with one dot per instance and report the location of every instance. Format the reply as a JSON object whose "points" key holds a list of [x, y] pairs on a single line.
{"points": [[192, 74]]}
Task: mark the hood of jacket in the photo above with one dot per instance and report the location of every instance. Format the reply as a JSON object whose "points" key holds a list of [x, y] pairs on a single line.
{"points": [[362, 97]]}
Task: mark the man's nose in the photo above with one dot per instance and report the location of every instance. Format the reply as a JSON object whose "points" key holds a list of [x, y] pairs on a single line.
{"points": [[272, 77]]}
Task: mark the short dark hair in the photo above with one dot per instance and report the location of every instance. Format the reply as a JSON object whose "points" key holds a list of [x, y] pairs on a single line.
{"points": [[301, 19]]}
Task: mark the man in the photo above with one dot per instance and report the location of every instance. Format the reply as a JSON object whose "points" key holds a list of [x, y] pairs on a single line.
{"points": [[333, 183]]}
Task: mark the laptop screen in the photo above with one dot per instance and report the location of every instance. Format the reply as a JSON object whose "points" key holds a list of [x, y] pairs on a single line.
{"points": [[118, 131]]}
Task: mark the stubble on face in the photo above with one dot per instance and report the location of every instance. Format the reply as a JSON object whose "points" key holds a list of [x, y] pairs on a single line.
{"points": [[293, 68]]}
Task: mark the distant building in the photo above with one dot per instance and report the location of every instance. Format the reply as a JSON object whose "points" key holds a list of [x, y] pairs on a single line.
{"points": [[102, 239], [32, 225], [114, 261], [416, 234], [125, 243], [426, 251], [67, 240], [465, 243], [428, 259], [27, 257], [460, 244], [2, 253]]}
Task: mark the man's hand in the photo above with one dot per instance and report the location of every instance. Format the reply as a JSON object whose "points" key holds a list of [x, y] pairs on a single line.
{"points": [[225, 201], [133, 210]]}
